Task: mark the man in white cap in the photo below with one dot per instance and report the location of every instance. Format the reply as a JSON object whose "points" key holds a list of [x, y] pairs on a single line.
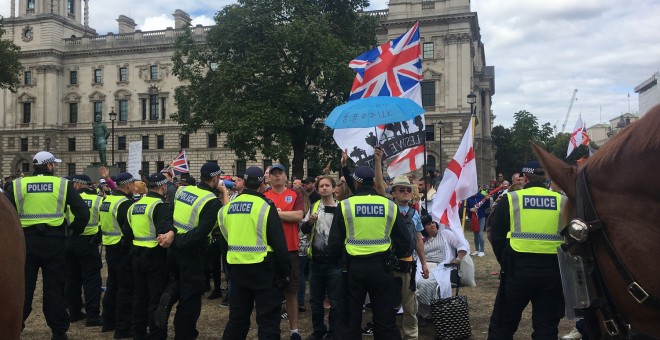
{"points": [[41, 200]]}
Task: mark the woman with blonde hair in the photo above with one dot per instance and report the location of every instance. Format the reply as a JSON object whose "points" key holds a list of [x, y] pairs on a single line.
{"points": [[140, 189]]}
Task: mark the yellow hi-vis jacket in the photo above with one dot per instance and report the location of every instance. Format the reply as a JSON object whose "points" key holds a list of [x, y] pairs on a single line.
{"points": [[188, 203], [109, 225], [141, 219], [535, 223], [243, 224], [94, 204], [40, 199], [369, 221]]}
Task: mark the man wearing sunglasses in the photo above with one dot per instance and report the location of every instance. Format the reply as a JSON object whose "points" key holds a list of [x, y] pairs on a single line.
{"points": [[404, 276]]}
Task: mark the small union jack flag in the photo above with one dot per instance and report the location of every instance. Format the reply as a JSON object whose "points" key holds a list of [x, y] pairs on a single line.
{"points": [[389, 70], [180, 164]]}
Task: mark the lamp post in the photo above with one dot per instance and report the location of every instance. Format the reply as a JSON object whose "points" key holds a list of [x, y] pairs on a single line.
{"points": [[47, 139], [113, 117], [441, 124], [472, 99]]}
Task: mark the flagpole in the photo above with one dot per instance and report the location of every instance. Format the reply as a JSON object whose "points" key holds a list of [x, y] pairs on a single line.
{"points": [[472, 122]]}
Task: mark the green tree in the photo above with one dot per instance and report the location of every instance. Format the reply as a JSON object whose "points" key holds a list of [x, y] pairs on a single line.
{"points": [[507, 158], [282, 66], [9, 64]]}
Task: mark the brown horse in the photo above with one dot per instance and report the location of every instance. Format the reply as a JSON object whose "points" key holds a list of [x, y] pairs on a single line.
{"points": [[625, 196], [12, 271]]}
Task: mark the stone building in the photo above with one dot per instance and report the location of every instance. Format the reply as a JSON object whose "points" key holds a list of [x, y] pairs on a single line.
{"points": [[453, 66], [71, 74]]}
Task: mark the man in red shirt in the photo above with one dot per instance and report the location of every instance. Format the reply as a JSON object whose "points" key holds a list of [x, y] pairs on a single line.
{"points": [[290, 207]]}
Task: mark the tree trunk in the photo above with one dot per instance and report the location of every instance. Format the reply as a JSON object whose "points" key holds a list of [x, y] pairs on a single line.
{"points": [[298, 163]]}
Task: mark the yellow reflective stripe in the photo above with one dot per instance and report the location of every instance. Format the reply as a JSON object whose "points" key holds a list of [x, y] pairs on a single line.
{"points": [[261, 224], [348, 214], [18, 194], [115, 223], [515, 202], [390, 218], [195, 210], [221, 222], [60, 195]]}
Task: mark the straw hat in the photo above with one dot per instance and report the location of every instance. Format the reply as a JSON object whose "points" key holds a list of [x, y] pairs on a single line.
{"points": [[401, 181]]}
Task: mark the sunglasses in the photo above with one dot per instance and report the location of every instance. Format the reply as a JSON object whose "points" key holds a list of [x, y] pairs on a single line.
{"points": [[402, 190]]}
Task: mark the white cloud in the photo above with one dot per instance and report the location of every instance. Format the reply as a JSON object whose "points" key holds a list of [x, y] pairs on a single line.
{"points": [[541, 50]]}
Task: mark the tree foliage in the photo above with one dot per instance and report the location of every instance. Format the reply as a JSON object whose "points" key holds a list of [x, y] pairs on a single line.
{"points": [[10, 65], [282, 66]]}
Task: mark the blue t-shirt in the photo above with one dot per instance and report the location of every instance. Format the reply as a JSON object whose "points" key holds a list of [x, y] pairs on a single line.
{"points": [[416, 219]]}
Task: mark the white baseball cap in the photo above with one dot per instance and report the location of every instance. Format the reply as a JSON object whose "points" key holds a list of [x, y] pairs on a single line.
{"points": [[45, 157]]}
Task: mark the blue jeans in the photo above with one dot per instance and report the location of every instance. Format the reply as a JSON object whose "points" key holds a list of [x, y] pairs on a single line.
{"points": [[302, 261], [479, 237], [324, 278]]}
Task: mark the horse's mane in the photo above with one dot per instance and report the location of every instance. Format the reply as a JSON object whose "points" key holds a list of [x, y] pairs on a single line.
{"points": [[640, 136]]}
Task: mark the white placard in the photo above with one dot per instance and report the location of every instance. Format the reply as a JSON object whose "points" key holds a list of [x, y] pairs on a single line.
{"points": [[135, 159]]}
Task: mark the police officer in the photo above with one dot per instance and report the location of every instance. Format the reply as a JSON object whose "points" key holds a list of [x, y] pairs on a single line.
{"points": [[148, 218], [256, 251], [40, 201], [525, 236], [118, 296], [363, 230], [195, 212], [83, 260]]}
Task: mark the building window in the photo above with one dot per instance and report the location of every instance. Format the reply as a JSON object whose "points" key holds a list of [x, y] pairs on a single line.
{"points": [[163, 105], [27, 78], [98, 76], [73, 77], [430, 163], [154, 72], [160, 142], [123, 74], [121, 166], [185, 141], [267, 162], [123, 110], [30, 5], [160, 165], [27, 113], [428, 4], [240, 168], [24, 144], [98, 110], [144, 108], [213, 140], [145, 142], [69, 6], [71, 169], [153, 107], [430, 133], [428, 93], [73, 113], [145, 168], [121, 143], [72, 144], [25, 168], [427, 52]]}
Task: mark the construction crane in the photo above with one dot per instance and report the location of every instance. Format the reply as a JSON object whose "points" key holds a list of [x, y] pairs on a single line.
{"points": [[570, 106]]}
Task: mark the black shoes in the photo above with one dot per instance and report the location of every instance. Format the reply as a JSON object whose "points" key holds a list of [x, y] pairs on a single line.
{"points": [[73, 317], [59, 336], [163, 311], [216, 294], [93, 322]]}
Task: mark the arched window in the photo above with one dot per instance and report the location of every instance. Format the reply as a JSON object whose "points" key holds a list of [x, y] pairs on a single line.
{"points": [[430, 163]]}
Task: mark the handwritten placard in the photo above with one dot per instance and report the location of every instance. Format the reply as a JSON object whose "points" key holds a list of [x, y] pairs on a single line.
{"points": [[135, 158]]}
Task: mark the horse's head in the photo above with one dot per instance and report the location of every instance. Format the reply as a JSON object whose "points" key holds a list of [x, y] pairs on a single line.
{"points": [[625, 193]]}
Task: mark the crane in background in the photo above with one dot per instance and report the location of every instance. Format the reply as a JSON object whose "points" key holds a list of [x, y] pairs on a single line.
{"points": [[568, 113]]}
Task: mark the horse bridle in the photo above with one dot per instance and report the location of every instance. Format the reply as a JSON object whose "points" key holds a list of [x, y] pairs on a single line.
{"points": [[588, 226]]}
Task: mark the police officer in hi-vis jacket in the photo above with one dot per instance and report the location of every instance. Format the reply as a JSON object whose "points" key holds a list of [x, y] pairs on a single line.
{"points": [[525, 234], [40, 201], [364, 229]]}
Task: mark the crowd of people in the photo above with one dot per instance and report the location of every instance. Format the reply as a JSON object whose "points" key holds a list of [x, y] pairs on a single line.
{"points": [[357, 237]]}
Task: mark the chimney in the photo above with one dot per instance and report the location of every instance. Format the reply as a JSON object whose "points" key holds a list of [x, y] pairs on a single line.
{"points": [[181, 19], [126, 24]]}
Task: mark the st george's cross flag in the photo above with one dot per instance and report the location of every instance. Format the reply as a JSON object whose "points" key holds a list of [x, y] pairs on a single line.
{"points": [[578, 136], [391, 69], [458, 183], [179, 164]]}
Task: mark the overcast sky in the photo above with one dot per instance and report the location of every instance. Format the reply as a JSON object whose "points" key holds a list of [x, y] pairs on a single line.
{"points": [[541, 50]]}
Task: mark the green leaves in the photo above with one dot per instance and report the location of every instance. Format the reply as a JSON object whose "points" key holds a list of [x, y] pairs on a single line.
{"points": [[10, 65], [282, 66]]}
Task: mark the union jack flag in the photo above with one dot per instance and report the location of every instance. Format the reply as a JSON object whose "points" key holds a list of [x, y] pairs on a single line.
{"points": [[389, 70], [180, 164]]}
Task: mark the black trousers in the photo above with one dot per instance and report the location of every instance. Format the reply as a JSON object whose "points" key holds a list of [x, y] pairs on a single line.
{"points": [[212, 265], [188, 283], [367, 275], [117, 301], [522, 282], [83, 268], [150, 275], [47, 253], [253, 285]]}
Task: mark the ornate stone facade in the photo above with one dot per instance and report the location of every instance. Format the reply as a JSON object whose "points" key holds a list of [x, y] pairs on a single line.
{"points": [[71, 74]]}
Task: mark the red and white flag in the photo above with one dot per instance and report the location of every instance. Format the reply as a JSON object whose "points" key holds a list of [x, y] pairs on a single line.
{"points": [[407, 161], [458, 183], [578, 137]]}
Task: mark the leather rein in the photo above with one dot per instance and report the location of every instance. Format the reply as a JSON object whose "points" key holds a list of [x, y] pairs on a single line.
{"points": [[590, 229]]}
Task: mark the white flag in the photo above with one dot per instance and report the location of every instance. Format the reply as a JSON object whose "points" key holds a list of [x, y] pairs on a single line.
{"points": [[458, 183], [578, 137]]}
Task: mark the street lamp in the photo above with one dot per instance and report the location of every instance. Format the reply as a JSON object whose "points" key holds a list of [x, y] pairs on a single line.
{"points": [[47, 143], [113, 117], [472, 99], [441, 124]]}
